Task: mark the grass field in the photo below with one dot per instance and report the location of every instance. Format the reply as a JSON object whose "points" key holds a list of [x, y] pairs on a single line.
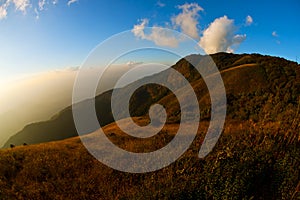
{"points": [[249, 162]]}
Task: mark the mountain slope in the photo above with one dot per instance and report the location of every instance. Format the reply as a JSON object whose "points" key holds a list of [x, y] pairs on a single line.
{"points": [[256, 157], [254, 83], [248, 162]]}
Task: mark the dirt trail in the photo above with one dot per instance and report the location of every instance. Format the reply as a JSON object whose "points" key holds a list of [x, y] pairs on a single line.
{"points": [[233, 68], [240, 66]]}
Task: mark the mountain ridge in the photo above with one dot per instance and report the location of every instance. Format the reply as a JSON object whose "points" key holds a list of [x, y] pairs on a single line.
{"points": [[233, 67], [256, 157]]}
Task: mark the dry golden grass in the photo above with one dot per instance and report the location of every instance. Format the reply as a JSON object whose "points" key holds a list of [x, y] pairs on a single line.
{"points": [[237, 168], [257, 156]]}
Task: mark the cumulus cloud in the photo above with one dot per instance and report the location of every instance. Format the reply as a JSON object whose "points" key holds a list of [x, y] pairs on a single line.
{"points": [[159, 35], [220, 36], [71, 2], [274, 34], [187, 19], [249, 20], [138, 29]]}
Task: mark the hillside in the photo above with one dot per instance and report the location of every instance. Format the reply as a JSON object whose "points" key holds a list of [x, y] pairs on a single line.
{"points": [[254, 84], [250, 161], [256, 157]]}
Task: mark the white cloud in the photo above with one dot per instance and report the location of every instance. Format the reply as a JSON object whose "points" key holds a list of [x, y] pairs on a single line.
{"points": [[24, 5], [274, 34], [3, 12], [41, 7], [41, 4], [187, 19], [220, 36], [138, 30], [21, 5], [159, 35], [37, 14], [160, 4], [71, 2], [133, 63], [249, 20]]}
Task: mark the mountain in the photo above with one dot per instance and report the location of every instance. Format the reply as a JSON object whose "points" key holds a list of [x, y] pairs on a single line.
{"points": [[256, 157], [254, 84]]}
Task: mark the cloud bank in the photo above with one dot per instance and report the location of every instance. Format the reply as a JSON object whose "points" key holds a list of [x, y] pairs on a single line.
{"points": [[37, 97]]}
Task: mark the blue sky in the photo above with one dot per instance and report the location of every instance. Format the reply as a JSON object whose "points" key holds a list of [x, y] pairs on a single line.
{"points": [[56, 34]]}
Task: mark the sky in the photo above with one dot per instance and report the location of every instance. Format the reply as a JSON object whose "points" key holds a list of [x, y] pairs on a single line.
{"points": [[42, 35]]}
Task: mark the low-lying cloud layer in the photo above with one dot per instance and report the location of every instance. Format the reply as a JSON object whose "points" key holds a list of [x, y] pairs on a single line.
{"points": [[38, 97], [219, 36]]}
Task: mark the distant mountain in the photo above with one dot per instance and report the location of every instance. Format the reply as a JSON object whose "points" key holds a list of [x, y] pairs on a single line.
{"points": [[258, 88]]}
